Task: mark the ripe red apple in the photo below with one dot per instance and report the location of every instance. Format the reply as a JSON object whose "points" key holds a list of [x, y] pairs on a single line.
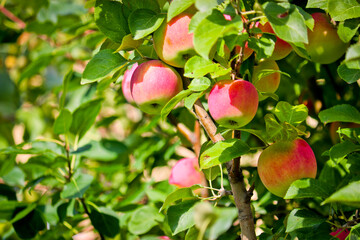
{"points": [[126, 83], [324, 45], [340, 233], [282, 48], [233, 104], [172, 41], [153, 84], [185, 173], [284, 162], [266, 83]]}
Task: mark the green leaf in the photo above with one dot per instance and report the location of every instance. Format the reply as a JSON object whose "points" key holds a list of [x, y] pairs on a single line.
{"points": [[345, 9], [211, 29], [199, 84], [237, 40], [206, 5], [62, 123], [144, 219], [110, 19], [348, 195], [84, 117], [142, 22], [197, 67], [77, 187], [264, 46], [143, 4], [341, 150], [35, 67], [102, 65], [7, 209], [340, 113], [197, 19], [172, 103], [29, 225], [181, 216], [222, 152], [179, 194], [349, 71], [276, 131], [129, 43], [223, 222], [178, 6], [287, 22], [307, 188], [65, 85], [23, 213], [105, 221], [348, 28], [189, 101], [355, 232], [285, 112], [353, 53], [302, 218], [322, 4]]}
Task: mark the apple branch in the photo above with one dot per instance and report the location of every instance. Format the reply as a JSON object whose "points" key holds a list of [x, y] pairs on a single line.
{"points": [[21, 24]]}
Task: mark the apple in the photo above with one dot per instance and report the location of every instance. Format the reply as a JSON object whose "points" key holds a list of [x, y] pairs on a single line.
{"points": [[247, 51], [266, 83], [282, 48], [126, 83], [233, 104], [172, 41], [284, 162], [324, 45], [153, 84], [185, 173], [340, 233]]}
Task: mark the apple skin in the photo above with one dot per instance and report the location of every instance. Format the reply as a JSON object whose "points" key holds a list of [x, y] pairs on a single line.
{"points": [[233, 104], [284, 162], [269, 83], [185, 173], [153, 84], [125, 85], [342, 236], [324, 45], [282, 48], [172, 41]]}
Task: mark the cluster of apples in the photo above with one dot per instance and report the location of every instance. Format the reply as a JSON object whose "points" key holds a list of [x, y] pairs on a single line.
{"points": [[231, 103]]}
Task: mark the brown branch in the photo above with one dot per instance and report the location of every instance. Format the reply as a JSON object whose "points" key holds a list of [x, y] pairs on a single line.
{"points": [[197, 145], [186, 132], [12, 17]]}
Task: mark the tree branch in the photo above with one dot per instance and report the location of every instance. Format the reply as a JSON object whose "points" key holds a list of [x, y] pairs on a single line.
{"points": [[12, 17]]}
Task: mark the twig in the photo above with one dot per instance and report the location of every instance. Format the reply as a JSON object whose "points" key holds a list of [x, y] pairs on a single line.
{"points": [[12, 17]]}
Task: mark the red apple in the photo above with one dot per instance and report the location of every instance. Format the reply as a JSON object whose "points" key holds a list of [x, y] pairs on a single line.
{"points": [[282, 48], [185, 173], [126, 83], [284, 162], [266, 83], [153, 84], [233, 104], [172, 41], [324, 45], [340, 233]]}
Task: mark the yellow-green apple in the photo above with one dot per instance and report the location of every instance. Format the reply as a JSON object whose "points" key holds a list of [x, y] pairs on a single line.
{"points": [[233, 104], [263, 80], [125, 85], [282, 48], [324, 45], [185, 173], [153, 84], [172, 41], [284, 162]]}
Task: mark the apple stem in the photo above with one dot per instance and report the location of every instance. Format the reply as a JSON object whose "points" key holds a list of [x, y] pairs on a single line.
{"points": [[21, 24]]}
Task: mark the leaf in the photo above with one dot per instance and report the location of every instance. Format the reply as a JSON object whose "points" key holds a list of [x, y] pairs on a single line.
{"points": [[302, 218], [348, 195], [341, 150], [211, 29], [178, 6], [29, 225], [172, 103], [178, 194], [264, 46], [23, 213], [340, 113], [102, 65], [222, 152], [189, 101], [197, 67], [84, 117], [236, 40], [307, 188], [276, 131], [7, 209], [110, 19], [345, 9], [287, 22], [143, 4], [196, 20], [347, 29], [142, 22], [77, 187], [199, 84], [144, 219], [35, 67], [225, 219], [349, 71], [353, 53], [129, 43], [62, 123], [285, 112], [206, 5], [105, 221], [181, 216], [65, 85], [322, 4]]}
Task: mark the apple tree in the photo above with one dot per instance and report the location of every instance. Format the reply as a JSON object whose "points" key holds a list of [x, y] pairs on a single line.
{"points": [[179, 119]]}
